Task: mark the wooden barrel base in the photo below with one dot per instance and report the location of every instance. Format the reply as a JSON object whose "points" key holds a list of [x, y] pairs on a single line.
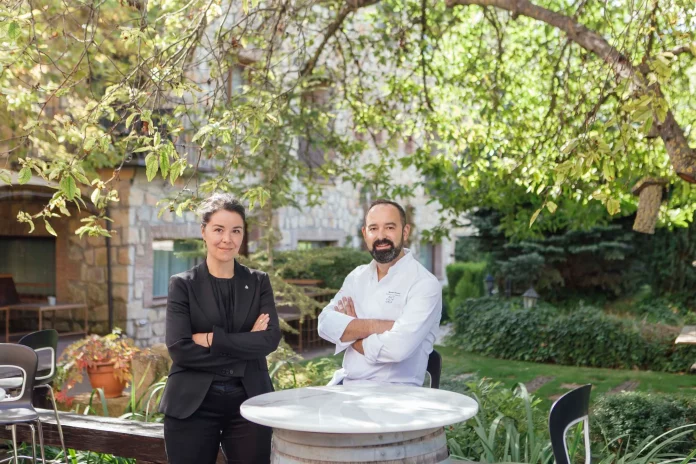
{"points": [[418, 447]]}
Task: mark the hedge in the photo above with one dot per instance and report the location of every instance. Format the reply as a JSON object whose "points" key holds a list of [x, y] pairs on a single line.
{"points": [[330, 264], [584, 337], [635, 416]]}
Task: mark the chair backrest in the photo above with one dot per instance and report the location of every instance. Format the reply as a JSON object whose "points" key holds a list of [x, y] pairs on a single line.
{"points": [[567, 411], [434, 368], [8, 291], [22, 358], [43, 341]]}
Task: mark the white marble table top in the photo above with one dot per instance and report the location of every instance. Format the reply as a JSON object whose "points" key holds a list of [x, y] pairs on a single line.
{"points": [[359, 409]]}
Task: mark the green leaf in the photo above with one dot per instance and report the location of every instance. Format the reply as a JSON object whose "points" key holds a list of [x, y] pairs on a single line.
{"points": [[204, 130], [95, 196], [151, 166], [68, 187], [49, 229], [608, 170], [569, 146], [89, 143], [80, 177], [613, 206], [551, 206], [164, 163], [5, 176], [14, 31], [534, 217], [129, 121], [174, 173], [245, 6], [24, 175]]}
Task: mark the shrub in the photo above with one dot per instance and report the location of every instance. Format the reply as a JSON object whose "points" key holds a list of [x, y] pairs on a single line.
{"points": [[464, 280], [510, 426], [584, 337], [330, 264], [636, 416]]}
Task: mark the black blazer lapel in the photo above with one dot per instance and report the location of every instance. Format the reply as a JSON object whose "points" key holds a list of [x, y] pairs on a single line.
{"points": [[203, 289], [244, 290]]}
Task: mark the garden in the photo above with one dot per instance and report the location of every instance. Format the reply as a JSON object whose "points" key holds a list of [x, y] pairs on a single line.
{"points": [[543, 149]]}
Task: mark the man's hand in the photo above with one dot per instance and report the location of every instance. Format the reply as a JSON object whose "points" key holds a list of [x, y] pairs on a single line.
{"points": [[261, 323], [357, 346], [202, 339], [345, 305]]}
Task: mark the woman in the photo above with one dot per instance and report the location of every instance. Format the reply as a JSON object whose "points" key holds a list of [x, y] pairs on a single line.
{"points": [[221, 324]]}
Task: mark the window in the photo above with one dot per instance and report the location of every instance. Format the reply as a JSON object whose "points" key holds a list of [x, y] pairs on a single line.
{"points": [[171, 257], [312, 244], [32, 264], [426, 255]]}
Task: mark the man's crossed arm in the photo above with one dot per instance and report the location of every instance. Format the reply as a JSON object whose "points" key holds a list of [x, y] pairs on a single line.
{"points": [[358, 329]]}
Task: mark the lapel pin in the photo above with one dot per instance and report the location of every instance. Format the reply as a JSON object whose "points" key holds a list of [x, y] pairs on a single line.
{"points": [[247, 287]]}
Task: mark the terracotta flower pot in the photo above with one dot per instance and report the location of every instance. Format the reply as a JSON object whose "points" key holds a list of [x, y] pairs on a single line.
{"points": [[103, 377]]}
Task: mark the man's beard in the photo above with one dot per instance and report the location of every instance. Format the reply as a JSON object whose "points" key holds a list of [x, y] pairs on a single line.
{"points": [[389, 254]]}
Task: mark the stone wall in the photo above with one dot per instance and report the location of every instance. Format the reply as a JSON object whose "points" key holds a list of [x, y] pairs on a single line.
{"points": [[139, 225]]}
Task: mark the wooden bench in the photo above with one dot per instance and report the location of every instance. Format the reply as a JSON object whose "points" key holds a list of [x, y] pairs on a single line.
{"points": [[687, 336], [124, 438]]}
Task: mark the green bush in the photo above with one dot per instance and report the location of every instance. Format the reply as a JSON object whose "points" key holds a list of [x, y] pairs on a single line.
{"points": [[464, 280], [583, 337], [330, 264], [636, 416], [509, 424], [445, 305]]}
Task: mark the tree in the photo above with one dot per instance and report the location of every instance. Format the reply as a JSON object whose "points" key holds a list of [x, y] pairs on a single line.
{"points": [[573, 101]]}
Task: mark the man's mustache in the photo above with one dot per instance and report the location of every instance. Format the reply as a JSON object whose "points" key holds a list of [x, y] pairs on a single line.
{"points": [[383, 242]]}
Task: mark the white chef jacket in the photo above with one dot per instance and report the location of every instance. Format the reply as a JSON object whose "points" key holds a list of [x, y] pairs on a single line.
{"points": [[409, 295]]}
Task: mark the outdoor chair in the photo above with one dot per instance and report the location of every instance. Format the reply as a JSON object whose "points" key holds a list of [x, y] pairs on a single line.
{"points": [[18, 410], [46, 341], [567, 411], [434, 369]]}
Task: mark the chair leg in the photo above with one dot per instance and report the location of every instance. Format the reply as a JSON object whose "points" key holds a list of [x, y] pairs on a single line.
{"points": [[41, 441], [33, 442], [60, 429], [14, 443]]}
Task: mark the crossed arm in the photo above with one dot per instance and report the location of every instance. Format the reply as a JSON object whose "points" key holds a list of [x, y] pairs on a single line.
{"points": [[382, 341], [192, 351]]}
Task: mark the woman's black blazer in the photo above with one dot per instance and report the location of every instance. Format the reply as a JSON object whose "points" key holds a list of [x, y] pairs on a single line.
{"points": [[191, 308]]}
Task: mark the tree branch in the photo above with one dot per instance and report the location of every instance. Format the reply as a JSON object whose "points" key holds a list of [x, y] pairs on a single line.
{"points": [[351, 6], [682, 156]]}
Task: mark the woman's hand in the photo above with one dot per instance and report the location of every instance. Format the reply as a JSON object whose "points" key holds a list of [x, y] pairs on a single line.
{"points": [[261, 323], [203, 339]]}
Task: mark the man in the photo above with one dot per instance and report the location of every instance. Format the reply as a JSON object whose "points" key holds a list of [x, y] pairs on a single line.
{"points": [[387, 312]]}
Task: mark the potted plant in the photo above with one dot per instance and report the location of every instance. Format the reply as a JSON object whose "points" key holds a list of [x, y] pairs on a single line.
{"points": [[107, 360]]}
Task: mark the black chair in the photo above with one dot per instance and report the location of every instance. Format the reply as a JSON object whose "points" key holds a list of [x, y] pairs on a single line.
{"points": [[18, 410], [434, 369], [569, 410], [46, 341]]}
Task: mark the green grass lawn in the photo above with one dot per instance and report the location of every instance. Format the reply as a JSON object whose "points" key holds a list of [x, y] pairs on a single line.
{"points": [[456, 362]]}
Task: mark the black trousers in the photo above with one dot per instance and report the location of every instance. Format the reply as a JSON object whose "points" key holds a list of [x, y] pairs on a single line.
{"points": [[197, 439]]}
